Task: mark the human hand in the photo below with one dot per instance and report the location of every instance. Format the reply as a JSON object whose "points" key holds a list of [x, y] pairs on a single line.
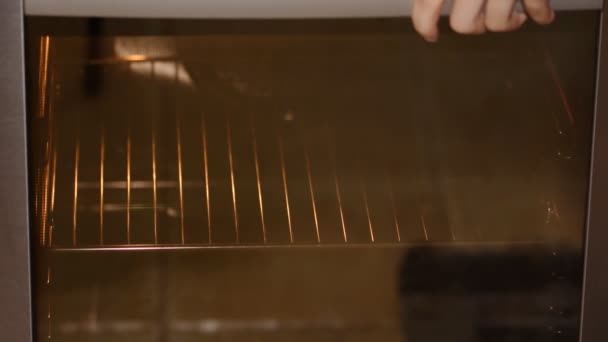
{"points": [[479, 16]]}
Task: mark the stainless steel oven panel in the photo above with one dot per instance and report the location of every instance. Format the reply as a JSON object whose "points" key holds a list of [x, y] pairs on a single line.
{"points": [[275, 9], [15, 294]]}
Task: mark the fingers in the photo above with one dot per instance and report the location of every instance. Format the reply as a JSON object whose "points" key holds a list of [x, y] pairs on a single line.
{"points": [[540, 11], [425, 16], [501, 16], [467, 16], [477, 16]]}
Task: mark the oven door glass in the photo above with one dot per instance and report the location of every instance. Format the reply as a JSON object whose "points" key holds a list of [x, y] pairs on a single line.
{"points": [[298, 180]]}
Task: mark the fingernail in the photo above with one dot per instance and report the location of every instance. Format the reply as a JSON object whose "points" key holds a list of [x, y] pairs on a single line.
{"points": [[432, 38], [547, 19], [521, 17]]}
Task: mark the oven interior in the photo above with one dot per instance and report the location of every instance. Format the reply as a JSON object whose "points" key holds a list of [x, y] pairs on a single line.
{"points": [[298, 180]]}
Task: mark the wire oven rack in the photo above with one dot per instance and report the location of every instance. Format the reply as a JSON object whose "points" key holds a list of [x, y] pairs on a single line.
{"points": [[213, 163]]}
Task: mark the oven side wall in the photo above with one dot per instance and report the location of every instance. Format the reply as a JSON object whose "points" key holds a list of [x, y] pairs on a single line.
{"points": [[15, 293]]}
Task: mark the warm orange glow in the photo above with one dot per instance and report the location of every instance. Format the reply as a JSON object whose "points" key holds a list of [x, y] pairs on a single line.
{"points": [[135, 58]]}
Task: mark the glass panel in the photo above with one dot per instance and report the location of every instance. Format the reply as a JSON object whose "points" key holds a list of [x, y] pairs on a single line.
{"points": [[308, 180]]}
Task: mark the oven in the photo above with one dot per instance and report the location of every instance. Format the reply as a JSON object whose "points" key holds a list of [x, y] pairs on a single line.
{"points": [[272, 171]]}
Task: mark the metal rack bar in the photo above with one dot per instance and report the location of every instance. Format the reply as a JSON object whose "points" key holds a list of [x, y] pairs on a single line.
{"points": [[45, 192], [312, 193], [284, 178], [129, 186], [50, 167], [426, 234], [206, 171], [334, 167], [180, 177], [52, 209], [154, 180], [128, 68], [179, 247], [141, 184], [75, 207], [154, 193], [178, 137], [367, 211], [43, 74], [391, 197], [257, 176], [48, 153], [232, 183], [102, 154]]}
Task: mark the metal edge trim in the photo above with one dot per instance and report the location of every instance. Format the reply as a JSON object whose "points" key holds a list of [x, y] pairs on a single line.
{"points": [[595, 279]]}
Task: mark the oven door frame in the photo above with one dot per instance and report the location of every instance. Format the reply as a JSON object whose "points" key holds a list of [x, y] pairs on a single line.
{"points": [[15, 276], [593, 327]]}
